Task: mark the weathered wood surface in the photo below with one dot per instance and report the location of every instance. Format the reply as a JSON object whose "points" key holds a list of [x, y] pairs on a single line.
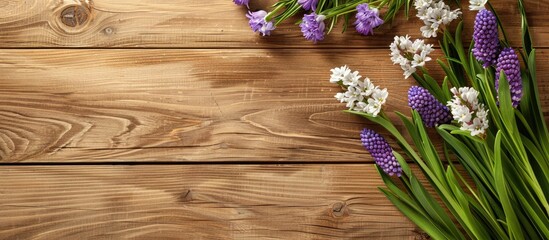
{"points": [[188, 105], [201, 24], [210, 91], [197, 202]]}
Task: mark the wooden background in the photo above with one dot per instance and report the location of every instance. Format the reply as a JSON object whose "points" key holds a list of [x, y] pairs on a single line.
{"points": [[171, 119]]}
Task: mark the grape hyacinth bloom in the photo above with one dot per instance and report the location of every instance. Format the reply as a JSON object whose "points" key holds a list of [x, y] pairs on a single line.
{"points": [[508, 62], [313, 26], [241, 2], [485, 34], [468, 112], [258, 23], [381, 151], [367, 19], [308, 4], [429, 108]]}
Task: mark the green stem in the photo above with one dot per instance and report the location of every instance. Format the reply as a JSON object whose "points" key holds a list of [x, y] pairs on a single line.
{"points": [[274, 11]]}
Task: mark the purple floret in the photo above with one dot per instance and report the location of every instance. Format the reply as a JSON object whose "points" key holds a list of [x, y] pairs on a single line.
{"points": [[312, 27], [486, 39], [241, 2], [432, 112], [308, 4], [259, 24], [381, 151], [367, 19], [508, 61]]}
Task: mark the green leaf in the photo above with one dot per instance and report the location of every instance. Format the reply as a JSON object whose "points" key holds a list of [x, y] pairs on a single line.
{"points": [[435, 211], [505, 103], [467, 134], [446, 90], [420, 220], [451, 76], [527, 43], [512, 222], [403, 164]]}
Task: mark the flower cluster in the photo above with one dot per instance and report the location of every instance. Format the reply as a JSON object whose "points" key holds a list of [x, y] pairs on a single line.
{"points": [[508, 62], [432, 112], [360, 95], [381, 151], [486, 39], [468, 112], [367, 19], [410, 55], [313, 26], [434, 14], [477, 5], [315, 14], [258, 22]]}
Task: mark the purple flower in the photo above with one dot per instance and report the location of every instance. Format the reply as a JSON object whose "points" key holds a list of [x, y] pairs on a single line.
{"points": [[485, 34], [241, 2], [312, 27], [508, 61], [308, 4], [432, 112], [259, 24], [367, 19], [381, 152]]}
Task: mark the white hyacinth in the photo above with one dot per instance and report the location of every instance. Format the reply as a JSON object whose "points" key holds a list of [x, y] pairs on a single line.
{"points": [[339, 73], [434, 14], [477, 5], [410, 55], [362, 96], [468, 112]]}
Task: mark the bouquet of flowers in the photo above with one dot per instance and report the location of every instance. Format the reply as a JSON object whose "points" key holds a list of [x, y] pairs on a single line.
{"points": [[490, 181], [320, 16]]}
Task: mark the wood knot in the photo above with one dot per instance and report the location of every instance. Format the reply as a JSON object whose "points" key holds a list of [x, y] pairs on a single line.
{"points": [[186, 196], [74, 16], [338, 209]]}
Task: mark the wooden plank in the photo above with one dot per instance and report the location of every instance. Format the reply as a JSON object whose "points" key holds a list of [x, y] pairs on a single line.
{"points": [[201, 24], [197, 202], [188, 105]]}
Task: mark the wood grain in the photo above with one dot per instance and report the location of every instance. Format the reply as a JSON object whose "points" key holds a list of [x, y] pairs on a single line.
{"points": [[188, 105], [197, 202], [204, 24]]}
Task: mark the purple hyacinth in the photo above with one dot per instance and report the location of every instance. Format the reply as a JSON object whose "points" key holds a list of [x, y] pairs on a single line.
{"points": [[259, 24], [308, 4], [432, 112], [312, 27], [241, 2], [367, 19], [381, 152], [508, 61], [485, 34]]}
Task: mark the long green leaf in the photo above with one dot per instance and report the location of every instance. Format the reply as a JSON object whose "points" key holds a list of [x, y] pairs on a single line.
{"points": [[512, 222]]}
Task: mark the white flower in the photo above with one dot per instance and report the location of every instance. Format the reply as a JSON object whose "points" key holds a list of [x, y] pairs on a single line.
{"points": [[477, 5], [422, 4], [434, 14], [410, 55], [462, 114], [339, 73], [362, 96], [468, 112], [351, 79]]}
